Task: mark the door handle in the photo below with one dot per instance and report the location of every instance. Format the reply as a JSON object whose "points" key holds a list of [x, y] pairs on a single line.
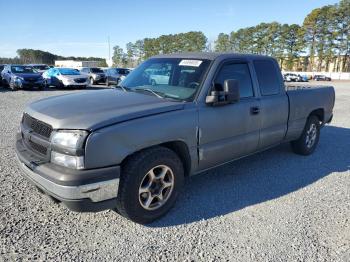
{"points": [[254, 110]]}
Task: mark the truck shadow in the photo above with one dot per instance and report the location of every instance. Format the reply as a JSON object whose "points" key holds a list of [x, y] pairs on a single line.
{"points": [[258, 178]]}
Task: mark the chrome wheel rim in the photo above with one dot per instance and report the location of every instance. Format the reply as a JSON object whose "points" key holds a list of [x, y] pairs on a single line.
{"points": [[311, 135], [156, 187]]}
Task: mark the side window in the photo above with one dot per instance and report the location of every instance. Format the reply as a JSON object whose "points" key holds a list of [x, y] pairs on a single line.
{"points": [[238, 72], [267, 77]]}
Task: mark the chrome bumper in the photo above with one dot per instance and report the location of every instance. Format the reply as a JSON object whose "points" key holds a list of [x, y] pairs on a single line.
{"points": [[96, 192]]}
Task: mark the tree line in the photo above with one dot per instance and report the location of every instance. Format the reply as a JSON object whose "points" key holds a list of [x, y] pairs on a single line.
{"points": [[321, 41], [165, 44], [32, 56]]}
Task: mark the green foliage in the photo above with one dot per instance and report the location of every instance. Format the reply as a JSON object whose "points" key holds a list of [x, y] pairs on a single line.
{"points": [[31, 56], [118, 56], [223, 43], [164, 44], [324, 36]]}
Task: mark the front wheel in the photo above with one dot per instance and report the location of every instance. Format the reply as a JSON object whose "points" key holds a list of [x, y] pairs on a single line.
{"points": [[307, 142], [150, 183], [12, 86]]}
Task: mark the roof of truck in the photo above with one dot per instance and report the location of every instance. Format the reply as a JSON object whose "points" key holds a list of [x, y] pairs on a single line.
{"points": [[210, 55]]}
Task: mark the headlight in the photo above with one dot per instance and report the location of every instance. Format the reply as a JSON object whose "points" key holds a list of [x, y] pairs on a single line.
{"points": [[76, 162], [69, 139], [67, 148], [18, 78]]}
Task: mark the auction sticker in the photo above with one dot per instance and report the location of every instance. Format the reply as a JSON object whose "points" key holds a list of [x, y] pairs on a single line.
{"points": [[195, 63]]}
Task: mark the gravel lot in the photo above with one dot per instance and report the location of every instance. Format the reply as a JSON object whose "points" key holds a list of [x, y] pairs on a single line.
{"points": [[273, 206]]}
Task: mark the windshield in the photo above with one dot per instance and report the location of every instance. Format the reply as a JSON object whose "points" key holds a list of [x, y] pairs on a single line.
{"points": [[22, 69], [41, 67], [68, 71], [96, 70], [168, 77]]}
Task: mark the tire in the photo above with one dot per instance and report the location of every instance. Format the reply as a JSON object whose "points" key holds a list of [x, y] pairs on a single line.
{"points": [[12, 86], [132, 200], [307, 142], [46, 84], [91, 81], [4, 83]]}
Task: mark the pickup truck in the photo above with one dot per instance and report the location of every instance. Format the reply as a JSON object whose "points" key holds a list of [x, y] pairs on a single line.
{"points": [[130, 148]]}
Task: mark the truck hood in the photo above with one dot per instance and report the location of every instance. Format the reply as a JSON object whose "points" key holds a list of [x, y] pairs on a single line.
{"points": [[92, 110]]}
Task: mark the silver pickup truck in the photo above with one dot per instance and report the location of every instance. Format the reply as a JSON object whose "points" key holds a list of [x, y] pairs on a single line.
{"points": [[130, 148]]}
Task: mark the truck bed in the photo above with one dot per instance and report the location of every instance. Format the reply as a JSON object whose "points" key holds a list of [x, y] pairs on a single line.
{"points": [[304, 99]]}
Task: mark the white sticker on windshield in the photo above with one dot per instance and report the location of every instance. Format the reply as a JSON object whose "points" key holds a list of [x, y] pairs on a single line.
{"points": [[195, 63]]}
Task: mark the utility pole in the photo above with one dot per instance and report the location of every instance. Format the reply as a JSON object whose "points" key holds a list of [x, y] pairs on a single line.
{"points": [[109, 49]]}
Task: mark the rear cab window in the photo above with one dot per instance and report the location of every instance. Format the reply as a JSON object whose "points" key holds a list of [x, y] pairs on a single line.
{"points": [[267, 76]]}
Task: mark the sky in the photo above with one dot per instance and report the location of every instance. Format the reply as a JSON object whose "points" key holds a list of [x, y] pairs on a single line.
{"points": [[82, 28]]}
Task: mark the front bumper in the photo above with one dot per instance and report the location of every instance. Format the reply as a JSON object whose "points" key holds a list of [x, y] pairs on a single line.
{"points": [[25, 84], [79, 190], [99, 79]]}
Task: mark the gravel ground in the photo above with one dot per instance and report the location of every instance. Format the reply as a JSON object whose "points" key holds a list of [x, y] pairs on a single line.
{"points": [[273, 206]]}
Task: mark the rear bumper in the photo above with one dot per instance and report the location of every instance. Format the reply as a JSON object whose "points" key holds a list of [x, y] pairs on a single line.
{"points": [[79, 190]]}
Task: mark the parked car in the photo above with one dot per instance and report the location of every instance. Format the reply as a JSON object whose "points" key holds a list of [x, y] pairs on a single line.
{"points": [[65, 77], [40, 68], [1, 68], [21, 76], [322, 78], [115, 75], [303, 78], [131, 148], [290, 77], [95, 75]]}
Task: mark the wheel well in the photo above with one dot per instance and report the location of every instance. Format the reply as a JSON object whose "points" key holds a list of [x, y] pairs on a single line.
{"points": [[319, 113], [179, 147]]}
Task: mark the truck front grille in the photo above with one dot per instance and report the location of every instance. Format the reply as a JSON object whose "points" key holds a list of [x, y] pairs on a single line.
{"points": [[80, 80], [38, 148], [37, 126]]}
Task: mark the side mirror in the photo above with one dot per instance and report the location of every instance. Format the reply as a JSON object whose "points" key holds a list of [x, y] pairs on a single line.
{"points": [[230, 94]]}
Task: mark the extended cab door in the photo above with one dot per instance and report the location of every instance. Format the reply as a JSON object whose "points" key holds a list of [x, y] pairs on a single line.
{"points": [[274, 103], [230, 131]]}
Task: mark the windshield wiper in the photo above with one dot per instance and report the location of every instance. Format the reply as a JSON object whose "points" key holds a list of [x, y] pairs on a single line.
{"points": [[151, 91], [121, 87]]}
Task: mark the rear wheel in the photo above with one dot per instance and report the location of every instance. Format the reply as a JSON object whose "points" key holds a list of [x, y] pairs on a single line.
{"points": [[150, 183], [307, 142]]}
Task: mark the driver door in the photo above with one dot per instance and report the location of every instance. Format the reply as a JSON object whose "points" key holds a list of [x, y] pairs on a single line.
{"points": [[230, 131]]}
